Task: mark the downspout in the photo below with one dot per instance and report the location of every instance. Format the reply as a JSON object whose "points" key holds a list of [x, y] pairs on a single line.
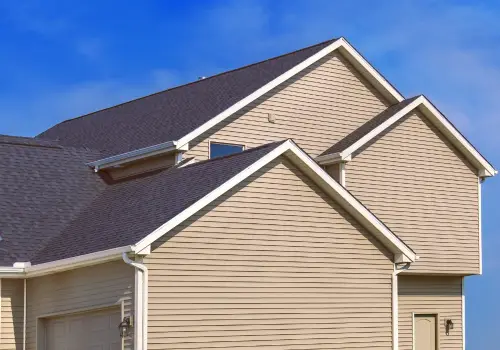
{"points": [[24, 317], [395, 305], [141, 304]]}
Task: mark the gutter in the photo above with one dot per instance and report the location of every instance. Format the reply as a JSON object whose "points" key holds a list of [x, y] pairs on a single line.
{"points": [[141, 303], [137, 154], [26, 270], [77, 261]]}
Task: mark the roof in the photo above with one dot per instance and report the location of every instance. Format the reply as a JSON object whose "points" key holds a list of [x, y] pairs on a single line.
{"points": [[75, 213], [173, 113], [343, 150], [127, 211], [44, 185]]}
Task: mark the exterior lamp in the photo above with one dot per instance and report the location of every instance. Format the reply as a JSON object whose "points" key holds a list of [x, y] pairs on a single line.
{"points": [[448, 325], [124, 327]]}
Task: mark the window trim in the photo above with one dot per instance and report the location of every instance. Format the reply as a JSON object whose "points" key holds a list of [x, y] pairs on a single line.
{"points": [[244, 147]]}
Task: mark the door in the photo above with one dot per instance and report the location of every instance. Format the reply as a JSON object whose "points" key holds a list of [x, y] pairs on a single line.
{"points": [[96, 330], [425, 332]]}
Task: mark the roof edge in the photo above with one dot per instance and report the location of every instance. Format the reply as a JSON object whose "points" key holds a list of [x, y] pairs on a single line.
{"points": [[346, 49], [26, 270], [485, 168], [146, 152], [307, 164]]}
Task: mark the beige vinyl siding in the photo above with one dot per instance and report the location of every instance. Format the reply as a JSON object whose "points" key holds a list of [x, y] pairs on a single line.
{"points": [[273, 264], [316, 108], [431, 295], [420, 186], [80, 289], [11, 306]]}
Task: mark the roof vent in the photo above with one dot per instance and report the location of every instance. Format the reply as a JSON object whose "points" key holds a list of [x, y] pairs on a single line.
{"points": [[202, 77]]}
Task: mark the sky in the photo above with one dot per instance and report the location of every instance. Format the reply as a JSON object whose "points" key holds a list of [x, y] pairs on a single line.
{"points": [[62, 59]]}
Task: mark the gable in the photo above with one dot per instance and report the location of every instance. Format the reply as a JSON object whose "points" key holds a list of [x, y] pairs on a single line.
{"points": [[273, 255], [316, 107], [344, 149], [274, 202], [426, 191]]}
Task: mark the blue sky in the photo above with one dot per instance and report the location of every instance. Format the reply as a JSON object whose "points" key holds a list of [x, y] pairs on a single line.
{"points": [[61, 59]]}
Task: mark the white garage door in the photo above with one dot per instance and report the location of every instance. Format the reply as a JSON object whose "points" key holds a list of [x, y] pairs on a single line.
{"points": [[85, 331]]}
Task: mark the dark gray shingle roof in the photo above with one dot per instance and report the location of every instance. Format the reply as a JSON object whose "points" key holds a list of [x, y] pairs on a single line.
{"points": [[43, 187], [171, 114], [128, 211]]}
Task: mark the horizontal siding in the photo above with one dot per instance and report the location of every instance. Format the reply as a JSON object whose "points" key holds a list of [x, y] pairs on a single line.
{"points": [[316, 108], [425, 191], [273, 264], [83, 288], [11, 307], [439, 295]]}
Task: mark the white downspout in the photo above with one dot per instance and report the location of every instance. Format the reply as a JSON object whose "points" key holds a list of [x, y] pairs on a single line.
{"points": [[141, 304], [395, 306], [24, 317]]}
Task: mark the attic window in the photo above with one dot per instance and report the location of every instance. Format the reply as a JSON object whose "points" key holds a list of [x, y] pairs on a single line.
{"points": [[223, 149]]}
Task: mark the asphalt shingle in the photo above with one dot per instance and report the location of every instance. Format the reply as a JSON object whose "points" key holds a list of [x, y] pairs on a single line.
{"points": [[128, 211], [171, 114], [43, 187]]}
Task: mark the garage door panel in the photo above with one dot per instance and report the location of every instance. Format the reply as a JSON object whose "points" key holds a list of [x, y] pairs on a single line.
{"points": [[85, 331]]}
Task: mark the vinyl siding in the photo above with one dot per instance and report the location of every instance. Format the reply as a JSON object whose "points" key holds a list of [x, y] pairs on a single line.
{"points": [[11, 307], [420, 186], [431, 295], [316, 108], [273, 264], [84, 288]]}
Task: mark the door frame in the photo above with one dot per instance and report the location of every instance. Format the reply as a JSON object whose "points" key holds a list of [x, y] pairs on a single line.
{"points": [[429, 313], [41, 319]]}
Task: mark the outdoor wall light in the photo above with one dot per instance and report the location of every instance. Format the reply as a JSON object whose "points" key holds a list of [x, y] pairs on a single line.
{"points": [[449, 325], [124, 327]]}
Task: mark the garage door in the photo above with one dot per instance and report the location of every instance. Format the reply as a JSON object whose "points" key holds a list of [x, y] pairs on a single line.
{"points": [[84, 331]]}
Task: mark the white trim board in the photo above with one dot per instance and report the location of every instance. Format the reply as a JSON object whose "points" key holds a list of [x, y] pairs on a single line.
{"points": [[437, 119], [365, 68], [318, 175]]}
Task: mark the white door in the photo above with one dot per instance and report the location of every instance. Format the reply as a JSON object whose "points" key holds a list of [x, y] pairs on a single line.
{"points": [[425, 332], [84, 331]]}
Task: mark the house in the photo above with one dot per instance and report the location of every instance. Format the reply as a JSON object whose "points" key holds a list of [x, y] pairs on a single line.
{"points": [[300, 202]]}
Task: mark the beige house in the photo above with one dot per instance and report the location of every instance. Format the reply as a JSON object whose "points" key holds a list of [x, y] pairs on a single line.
{"points": [[297, 203]]}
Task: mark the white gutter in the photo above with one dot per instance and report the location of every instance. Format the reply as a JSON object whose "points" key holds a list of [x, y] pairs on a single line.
{"points": [[141, 303], [75, 262], [7, 271], [395, 305], [140, 153]]}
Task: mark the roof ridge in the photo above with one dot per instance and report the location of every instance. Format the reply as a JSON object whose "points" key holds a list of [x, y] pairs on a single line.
{"points": [[43, 143], [195, 81]]}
